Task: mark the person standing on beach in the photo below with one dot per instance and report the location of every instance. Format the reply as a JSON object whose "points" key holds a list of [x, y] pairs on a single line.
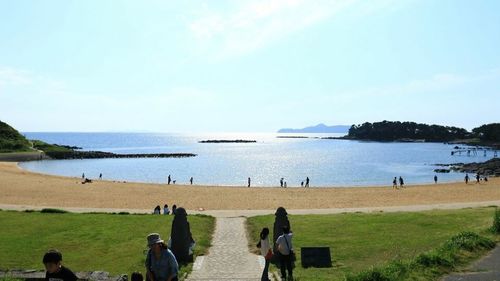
{"points": [[284, 184], [249, 181], [466, 178], [478, 178], [395, 183], [83, 176], [435, 179], [401, 182], [281, 182], [191, 180], [100, 176], [302, 184], [169, 179], [307, 181]]}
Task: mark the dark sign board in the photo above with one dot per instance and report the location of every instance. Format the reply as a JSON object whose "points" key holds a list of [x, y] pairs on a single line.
{"points": [[315, 257]]}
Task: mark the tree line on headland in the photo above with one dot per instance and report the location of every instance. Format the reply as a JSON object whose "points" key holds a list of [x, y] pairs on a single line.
{"points": [[411, 131], [489, 134]]}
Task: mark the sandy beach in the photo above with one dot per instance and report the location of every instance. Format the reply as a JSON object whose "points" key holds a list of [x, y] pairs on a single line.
{"points": [[20, 187]]}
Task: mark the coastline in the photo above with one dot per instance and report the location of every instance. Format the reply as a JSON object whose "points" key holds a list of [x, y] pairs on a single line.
{"points": [[24, 188]]}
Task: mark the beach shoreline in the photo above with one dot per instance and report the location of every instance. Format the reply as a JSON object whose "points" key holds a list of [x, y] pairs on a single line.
{"points": [[21, 187]]}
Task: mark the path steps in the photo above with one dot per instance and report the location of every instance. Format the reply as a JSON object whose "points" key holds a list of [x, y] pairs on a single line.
{"points": [[486, 269], [228, 258]]}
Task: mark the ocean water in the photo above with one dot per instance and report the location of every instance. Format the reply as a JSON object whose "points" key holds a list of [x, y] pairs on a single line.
{"points": [[328, 163]]}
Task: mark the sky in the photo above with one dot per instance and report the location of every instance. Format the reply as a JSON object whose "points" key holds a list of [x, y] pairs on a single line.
{"points": [[246, 66]]}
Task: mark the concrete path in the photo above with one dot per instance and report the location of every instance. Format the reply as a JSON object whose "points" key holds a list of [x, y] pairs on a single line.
{"points": [[486, 269], [251, 213], [228, 258]]}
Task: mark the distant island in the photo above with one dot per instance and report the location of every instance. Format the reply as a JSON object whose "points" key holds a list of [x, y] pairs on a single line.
{"points": [[12, 142], [227, 141], [320, 128]]}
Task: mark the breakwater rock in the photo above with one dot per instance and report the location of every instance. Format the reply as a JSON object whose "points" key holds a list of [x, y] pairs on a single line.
{"points": [[102, 155], [227, 141], [39, 275], [489, 168]]}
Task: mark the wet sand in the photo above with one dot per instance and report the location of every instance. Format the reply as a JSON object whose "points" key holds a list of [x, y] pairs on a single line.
{"points": [[20, 187]]}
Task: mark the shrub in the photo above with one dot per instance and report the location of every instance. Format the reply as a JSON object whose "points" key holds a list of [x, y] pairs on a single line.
{"points": [[53, 211], [430, 264], [496, 222], [373, 274], [469, 241], [434, 259]]}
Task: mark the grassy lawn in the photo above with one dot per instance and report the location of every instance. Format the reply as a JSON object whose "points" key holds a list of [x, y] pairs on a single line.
{"points": [[360, 241], [89, 242]]}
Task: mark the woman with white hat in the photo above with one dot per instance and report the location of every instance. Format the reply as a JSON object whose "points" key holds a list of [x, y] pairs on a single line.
{"points": [[161, 264]]}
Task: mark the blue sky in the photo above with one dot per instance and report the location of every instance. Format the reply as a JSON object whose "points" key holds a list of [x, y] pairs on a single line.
{"points": [[247, 66]]}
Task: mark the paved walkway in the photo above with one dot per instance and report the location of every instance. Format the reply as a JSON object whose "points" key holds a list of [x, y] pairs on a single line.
{"points": [[251, 213], [228, 258], [486, 269]]}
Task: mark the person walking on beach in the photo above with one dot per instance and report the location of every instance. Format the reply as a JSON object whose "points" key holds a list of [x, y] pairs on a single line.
{"points": [[307, 181], [169, 179], [466, 178], [281, 182], [401, 182], [265, 251], [249, 181], [435, 179], [191, 180], [395, 183], [285, 249]]}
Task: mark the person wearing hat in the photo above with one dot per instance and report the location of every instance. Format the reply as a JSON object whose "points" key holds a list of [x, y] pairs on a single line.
{"points": [[161, 264]]}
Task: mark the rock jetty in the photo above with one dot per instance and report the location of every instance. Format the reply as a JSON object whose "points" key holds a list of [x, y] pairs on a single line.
{"points": [[101, 155]]}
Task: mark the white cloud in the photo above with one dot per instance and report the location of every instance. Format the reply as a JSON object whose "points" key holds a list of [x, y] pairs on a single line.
{"points": [[252, 25], [11, 76], [437, 83]]}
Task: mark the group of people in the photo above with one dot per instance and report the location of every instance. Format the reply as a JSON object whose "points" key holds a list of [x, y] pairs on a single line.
{"points": [[395, 182], [284, 253], [170, 180], [284, 185], [166, 210], [478, 178], [87, 180], [466, 180], [282, 182], [161, 264]]}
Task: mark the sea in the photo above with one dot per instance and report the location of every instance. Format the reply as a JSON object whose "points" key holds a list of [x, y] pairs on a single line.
{"points": [[326, 162]]}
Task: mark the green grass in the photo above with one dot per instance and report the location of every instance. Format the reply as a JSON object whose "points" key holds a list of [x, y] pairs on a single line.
{"points": [[454, 253], [89, 242], [48, 148], [361, 241]]}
